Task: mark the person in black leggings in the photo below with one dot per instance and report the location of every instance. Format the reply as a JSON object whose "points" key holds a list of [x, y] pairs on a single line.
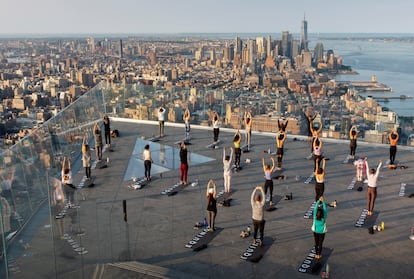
{"points": [[280, 140], [320, 179], [353, 135], [211, 195], [237, 149], [107, 129]]}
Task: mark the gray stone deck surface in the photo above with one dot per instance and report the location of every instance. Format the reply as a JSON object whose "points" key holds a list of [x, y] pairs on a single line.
{"points": [[151, 244]]}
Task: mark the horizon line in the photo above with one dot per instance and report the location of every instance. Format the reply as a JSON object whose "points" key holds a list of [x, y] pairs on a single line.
{"points": [[174, 33]]}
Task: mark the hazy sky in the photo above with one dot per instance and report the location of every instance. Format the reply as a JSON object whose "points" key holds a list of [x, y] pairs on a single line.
{"points": [[209, 16]]}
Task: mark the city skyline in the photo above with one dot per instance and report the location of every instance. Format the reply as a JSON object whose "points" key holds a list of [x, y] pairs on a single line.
{"points": [[185, 16]]}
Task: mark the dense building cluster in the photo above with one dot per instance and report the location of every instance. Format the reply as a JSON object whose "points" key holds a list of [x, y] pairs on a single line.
{"points": [[271, 78]]}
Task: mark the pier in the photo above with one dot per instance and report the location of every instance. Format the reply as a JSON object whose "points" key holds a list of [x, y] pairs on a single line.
{"points": [[367, 85], [385, 98]]}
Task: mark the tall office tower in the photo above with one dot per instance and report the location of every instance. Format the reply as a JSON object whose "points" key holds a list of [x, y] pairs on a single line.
{"points": [[318, 53], [269, 46], [174, 74], [295, 48], [252, 51], [286, 43], [231, 52], [306, 58], [245, 55], [153, 57], [198, 54], [212, 55], [304, 35], [226, 54], [121, 52], [68, 64], [237, 61], [91, 44], [41, 66], [277, 48], [238, 46], [261, 46]]}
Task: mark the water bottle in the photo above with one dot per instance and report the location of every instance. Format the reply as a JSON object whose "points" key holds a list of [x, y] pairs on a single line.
{"points": [[205, 222], [382, 226], [107, 160]]}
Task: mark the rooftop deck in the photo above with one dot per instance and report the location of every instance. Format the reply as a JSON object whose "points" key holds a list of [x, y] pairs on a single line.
{"points": [[151, 243]]}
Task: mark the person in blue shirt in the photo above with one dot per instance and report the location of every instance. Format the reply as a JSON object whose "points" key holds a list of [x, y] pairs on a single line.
{"points": [[320, 213]]}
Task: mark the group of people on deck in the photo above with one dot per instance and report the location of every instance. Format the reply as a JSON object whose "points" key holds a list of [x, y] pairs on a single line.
{"points": [[320, 211], [259, 193]]}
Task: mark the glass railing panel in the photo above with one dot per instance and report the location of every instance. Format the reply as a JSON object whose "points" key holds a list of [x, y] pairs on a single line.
{"points": [[33, 165]]}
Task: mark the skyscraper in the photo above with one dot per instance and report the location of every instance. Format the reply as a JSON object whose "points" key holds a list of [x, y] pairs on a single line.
{"points": [[261, 46], [304, 35], [252, 51], [238, 46], [294, 49], [318, 53], [91, 44], [286, 43], [269, 46], [121, 52]]}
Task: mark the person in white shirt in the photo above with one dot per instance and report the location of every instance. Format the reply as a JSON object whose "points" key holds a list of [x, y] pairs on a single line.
{"points": [[372, 176], [216, 126], [146, 156], [67, 180], [186, 118], [227, 159], [161, 120], [317, 153]]}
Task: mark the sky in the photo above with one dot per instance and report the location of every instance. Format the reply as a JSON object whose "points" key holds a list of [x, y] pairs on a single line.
{"points": [[209, 16]]}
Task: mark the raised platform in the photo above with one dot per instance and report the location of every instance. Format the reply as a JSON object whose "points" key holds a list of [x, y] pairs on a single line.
{"points": [[151, 242]]}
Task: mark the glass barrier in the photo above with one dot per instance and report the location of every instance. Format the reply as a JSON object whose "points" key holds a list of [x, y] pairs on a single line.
{"points": [[30, 177]]}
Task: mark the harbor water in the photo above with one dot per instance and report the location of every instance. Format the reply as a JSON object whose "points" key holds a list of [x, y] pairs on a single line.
{"points": [[390, 57]]}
